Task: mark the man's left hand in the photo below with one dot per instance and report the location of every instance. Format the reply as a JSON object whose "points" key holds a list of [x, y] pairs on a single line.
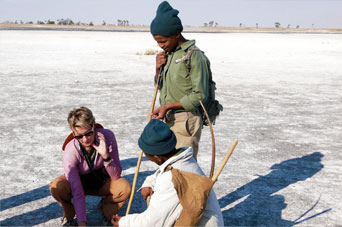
{"points": [[160, 112]]}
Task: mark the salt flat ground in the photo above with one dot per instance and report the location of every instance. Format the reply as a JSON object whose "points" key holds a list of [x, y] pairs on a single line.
{"points": [[282, 98]]}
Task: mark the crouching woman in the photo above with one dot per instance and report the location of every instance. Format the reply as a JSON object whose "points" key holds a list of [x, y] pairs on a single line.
{"points": [[91, 167]]}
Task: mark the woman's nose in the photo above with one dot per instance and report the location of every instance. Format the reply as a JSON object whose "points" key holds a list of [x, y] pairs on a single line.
{"points": [[85, 139]]}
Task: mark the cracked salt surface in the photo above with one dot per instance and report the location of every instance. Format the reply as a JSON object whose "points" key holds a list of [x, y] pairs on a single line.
{"points": [[282, 100]]}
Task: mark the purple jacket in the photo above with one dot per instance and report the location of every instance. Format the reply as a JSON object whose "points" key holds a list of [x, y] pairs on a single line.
{"points": [[75, 164]]}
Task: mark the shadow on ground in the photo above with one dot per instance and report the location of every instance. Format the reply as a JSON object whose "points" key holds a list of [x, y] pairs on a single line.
{"points": [[53, 210], [260, 207]]}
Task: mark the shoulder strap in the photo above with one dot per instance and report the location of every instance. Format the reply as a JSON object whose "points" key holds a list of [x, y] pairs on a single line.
{"points": [[87, 159], [168, 168], [187, 58]]}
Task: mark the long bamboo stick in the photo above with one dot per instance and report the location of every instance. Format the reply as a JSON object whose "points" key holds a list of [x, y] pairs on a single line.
{"points": [[225, 159], [141, 152]]}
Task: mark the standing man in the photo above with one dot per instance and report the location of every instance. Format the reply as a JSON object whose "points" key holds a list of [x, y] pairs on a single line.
{"points": [[184, 78]]}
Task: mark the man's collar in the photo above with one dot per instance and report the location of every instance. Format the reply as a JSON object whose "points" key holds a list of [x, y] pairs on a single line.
{"points": [[181, 154], [186, 45]]}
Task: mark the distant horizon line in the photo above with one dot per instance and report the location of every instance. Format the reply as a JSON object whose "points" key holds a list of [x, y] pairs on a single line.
{"points": [[145, 28], [123, 23], [190, 27]]}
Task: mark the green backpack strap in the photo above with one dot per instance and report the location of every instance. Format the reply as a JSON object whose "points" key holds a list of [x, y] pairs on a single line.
{"points": [[186, 59], [212, 106]]}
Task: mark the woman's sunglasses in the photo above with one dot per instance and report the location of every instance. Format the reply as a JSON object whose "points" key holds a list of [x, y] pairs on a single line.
{"points": [[87, 134]]}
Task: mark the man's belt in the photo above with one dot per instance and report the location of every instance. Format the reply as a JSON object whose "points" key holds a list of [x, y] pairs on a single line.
{"points": [[172, 116]]}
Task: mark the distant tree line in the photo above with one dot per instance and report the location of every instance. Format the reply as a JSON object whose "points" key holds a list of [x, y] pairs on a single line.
{"points": [[67, 21], [210, 24], [241, 25], [120, 22], [123, 23], [276, 25]]}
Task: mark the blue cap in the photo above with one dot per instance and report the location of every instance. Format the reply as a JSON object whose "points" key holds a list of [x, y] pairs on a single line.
{"points": [[157, 138], [166, 22]]}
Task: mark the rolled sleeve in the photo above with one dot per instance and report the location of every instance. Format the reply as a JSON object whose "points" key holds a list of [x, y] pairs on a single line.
{"points": [[199, 75]]}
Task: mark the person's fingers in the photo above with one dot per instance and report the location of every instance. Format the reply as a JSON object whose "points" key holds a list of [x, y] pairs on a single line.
{"points": [[100, 135], [156, 111], [161, 54]]}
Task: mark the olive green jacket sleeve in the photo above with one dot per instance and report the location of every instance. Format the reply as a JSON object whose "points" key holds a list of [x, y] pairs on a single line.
{"points": [[199, 75]]}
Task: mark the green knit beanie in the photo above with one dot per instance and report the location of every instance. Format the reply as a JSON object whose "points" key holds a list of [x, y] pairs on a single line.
{"points": [[166, 22], [157, 138]]}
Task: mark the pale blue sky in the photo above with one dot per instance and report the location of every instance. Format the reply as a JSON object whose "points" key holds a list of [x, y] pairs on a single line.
{"points": [[305, 13]]}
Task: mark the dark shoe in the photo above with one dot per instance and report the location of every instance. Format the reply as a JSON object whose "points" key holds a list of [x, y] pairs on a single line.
{"points": [[65, 222], [105, 221]]}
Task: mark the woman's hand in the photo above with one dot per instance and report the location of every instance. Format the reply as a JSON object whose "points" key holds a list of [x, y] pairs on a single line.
{"points": [[102, 147]]}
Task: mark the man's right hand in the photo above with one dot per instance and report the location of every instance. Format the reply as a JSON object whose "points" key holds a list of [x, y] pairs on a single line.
{"points": [[145, 192], [160, 61]]}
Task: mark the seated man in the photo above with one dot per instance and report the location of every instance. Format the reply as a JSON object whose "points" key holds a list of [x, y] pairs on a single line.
{"points": [[92, 167], [158, 144]]}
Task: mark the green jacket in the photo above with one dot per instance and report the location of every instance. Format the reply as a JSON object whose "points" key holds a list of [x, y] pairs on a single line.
{"points": [[180, 85]]}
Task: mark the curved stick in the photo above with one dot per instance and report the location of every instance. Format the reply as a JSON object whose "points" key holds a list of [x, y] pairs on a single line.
{"points": [[213, 153], [225, 159], [141, 152]]}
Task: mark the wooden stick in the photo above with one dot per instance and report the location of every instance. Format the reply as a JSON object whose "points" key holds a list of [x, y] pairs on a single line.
{"points": [[141, 152], [225, 159], [213, 149]]}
